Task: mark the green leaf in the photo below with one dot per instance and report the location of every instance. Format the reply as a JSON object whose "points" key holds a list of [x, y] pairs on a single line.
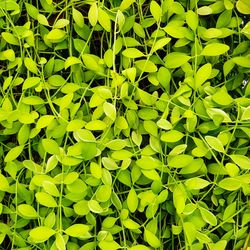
{"points": [[179, 161], [94, 206], [241, 160], [148, 163], [146, 66], [155, 10], [93, 14], [77, 230], [159, 44], [30, 65], [31, 82], [4, 184], [208, 217], [202, 74], [242, 61], [151, 239], [104, 19], [192, 20], [179, 198], [204, 11], [78, 17], [215, 49], [196, 183], [130, 224], [41, 234], [60, 243], [132, 53], [132, 200], [229, 211], [176, 59], [45, 199], [14, 153], [215, 143], [230, 184], [50, 146], [172, 136], [31, 10], [71, 60], [51, 188], [42, 19], [10, 38], [56, 35], [222, 98], [27, 211], [61, 23], [243, 6], [96, 125], [109, 110], [125, 4]]}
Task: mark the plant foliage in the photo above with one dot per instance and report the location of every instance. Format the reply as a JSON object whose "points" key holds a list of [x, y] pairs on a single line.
{"points": [[124, 124]]}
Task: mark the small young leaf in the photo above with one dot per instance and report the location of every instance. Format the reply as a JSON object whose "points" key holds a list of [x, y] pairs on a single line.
{"points": [[4, 184], [14, 153], [93, 14], [155, 10]]}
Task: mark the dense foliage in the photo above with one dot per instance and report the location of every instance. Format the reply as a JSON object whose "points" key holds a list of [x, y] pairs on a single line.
{"points": [[124, 124]]}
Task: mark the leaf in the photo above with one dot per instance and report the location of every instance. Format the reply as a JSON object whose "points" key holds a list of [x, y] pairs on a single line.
{"points": [[71, 60], [176, 59], [51, 188], [204, 11], [56, 35], [229, 211], [172, 136], [60, 243], [148, 162], [41, 234], [50, 146], [94, 206], [243, 6], [90, 62], [230, 184], [155, 10], [215, 143], [196, 183], [45, 199], [109, 110], [132, 53], [96, 125], [202, 74], [159, 44], [27, 211], [78, 17], [241, 160], [151, 239], [31, 10], [208, 217], [31, 82], [93, 14], [10, 38], [77, 230], [146, 66], [125, 4], [192, 20], [222, 98], [179, 198], [30, 65], [13, 153], [242, 61], [4, 184], [61, 23], [56, 80], [104, 19], [42, 19], [130, 224], [215, 49], [132, 200], [179, 161]]}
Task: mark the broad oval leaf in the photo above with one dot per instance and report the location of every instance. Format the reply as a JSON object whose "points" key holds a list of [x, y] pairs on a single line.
{"points": [[27, 211], [176, 59], [41, 234], [215, 143], [77, 230], [215, 49]]}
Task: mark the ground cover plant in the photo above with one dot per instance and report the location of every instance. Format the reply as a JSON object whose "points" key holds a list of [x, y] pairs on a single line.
{"points": [[124, 124]]}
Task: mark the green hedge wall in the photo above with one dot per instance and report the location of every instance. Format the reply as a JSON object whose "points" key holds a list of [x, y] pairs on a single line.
{"points": [[124, 124]]}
